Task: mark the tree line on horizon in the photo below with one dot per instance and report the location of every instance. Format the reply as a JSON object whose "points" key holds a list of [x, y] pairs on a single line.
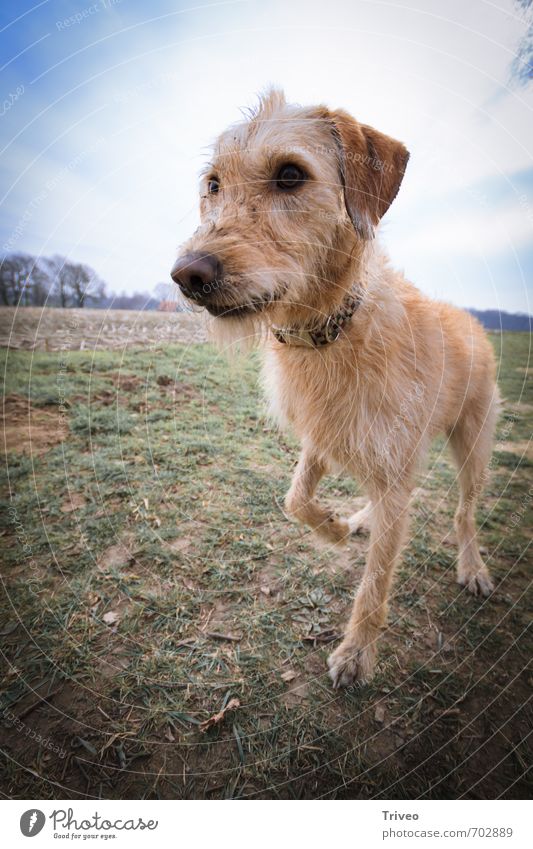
{"points": [[56, 281]]}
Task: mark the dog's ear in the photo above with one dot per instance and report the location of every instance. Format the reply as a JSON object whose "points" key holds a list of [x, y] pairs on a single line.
{"points": [[372, 166]]}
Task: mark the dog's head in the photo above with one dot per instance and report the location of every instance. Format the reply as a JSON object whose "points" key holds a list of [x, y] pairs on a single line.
{"points": [[288, 203]]}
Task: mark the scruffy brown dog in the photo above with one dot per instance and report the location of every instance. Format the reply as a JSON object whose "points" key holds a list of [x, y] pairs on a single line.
{"points": [[363, 367]]}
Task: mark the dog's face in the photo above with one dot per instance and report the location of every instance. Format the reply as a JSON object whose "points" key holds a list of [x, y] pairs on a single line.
{"points": [[288, 200]]}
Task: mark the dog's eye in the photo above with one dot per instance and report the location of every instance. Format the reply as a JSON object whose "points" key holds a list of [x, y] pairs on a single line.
{"points": [[289, 176], [213, 186]]}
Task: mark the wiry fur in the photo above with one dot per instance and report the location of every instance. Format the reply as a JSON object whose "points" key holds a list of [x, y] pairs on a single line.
{"points": [[405, 367]]}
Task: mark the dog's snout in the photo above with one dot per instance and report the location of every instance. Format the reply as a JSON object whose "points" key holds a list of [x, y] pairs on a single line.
{"points": [[197, 274]]}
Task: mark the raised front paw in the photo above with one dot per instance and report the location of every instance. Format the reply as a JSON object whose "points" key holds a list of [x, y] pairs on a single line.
{"points": [[351, 663], [359, 523], [334, 529]]}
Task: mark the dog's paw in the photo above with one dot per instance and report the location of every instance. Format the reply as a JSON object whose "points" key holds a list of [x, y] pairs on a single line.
{"points": [[479, 583], [350, 663], [359, 523], [334, 530]]}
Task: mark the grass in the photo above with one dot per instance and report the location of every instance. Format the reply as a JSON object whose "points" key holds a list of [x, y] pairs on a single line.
{"points": [[149, 577]]}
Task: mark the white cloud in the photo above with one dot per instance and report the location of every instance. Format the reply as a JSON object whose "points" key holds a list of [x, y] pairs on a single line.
{"points": [[482, 233]]}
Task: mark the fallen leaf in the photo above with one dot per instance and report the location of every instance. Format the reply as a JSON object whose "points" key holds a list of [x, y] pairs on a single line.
{"points": [[327, 636], [296, 694], [116, 555], [450, 712], [217, 718], [289, 675], [180, 544], [232, 638], [111, 617]]}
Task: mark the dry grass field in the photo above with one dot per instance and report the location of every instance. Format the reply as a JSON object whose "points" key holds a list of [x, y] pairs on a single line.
{"points": [[38, 329], [150, 582]]}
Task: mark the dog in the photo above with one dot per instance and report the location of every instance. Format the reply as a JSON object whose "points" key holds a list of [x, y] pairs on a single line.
{"points": [[364, 368]]}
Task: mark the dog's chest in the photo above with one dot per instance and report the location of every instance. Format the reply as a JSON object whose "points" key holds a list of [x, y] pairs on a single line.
{"points": [[317, 398]]}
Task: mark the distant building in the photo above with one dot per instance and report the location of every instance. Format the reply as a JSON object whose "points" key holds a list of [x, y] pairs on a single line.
{"points": [[167, 306]]}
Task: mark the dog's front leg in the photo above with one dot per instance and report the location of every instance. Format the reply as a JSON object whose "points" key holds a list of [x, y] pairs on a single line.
{"points": [[354, 658], [301, 504]]}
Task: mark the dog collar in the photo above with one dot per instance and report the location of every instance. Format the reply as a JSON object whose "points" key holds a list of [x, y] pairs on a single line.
{"points": [[329, 331]]}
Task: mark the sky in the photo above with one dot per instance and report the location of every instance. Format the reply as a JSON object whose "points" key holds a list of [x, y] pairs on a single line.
{"points": [[109, 107]]}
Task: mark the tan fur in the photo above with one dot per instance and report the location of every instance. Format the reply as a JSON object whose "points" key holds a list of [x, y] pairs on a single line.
{"points": [[404, 369]]}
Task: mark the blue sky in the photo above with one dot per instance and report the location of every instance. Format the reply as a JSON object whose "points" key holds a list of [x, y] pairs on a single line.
{"points": [[108, 109]]}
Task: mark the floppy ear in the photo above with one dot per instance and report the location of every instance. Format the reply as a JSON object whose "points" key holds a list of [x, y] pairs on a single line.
{"points": [[372, 166]]}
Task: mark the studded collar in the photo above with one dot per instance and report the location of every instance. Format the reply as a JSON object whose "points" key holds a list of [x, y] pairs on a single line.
{"points": [[326, 333]]}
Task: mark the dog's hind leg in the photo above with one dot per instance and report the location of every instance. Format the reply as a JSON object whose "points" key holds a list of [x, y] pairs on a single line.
{"points": [[301, 504], [471, 442]]}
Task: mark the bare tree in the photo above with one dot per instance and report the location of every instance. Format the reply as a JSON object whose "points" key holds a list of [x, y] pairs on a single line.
{"points": [[15, 272], [97, 293], [79, 282], [57, 268], [75, 284], [26, 280], [39, 284]]}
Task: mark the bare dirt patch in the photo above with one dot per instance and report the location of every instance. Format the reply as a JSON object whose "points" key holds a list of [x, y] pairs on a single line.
{"points": [[27, 430], [74, 502], [117, 555]]}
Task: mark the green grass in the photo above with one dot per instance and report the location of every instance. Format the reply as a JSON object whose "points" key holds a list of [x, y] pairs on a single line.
{"points": [[162, 506]]}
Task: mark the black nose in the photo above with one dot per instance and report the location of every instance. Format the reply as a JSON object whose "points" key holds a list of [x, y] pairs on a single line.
{"points": [[197, 275]]}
